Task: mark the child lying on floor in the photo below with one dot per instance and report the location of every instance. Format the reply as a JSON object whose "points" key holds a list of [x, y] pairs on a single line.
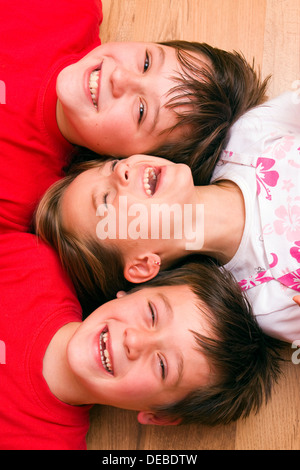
{"points": [[186, 348]]}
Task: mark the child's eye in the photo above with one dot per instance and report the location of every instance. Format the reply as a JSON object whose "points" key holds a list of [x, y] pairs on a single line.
{"points": [[162, 367], [141, 111], [152, 313], [113, 164], [105, 199], [147, 62]]}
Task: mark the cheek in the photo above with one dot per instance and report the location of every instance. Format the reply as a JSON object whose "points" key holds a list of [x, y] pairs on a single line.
{"points": [[137, 387], [115, 124], [117, 138]]}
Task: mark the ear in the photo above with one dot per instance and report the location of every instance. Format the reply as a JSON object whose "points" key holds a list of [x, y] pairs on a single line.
{"points": [[142, 268], [148, 417]]}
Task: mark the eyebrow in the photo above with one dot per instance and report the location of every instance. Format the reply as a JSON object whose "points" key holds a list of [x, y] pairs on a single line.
{"points": [[167, 305], [161, 61], [180, 363]]}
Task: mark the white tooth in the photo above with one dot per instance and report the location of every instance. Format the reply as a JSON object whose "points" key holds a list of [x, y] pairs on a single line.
{"points": [[146, 180], [106, 353], [94, 75]]}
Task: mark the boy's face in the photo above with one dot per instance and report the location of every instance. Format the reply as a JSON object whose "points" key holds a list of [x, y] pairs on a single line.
{"points": [[149, 355], [130, 83]]}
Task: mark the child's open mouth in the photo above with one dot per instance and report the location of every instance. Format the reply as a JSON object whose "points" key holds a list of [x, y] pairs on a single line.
{"points": [[94, 81], [104, 353], [150, 180]]}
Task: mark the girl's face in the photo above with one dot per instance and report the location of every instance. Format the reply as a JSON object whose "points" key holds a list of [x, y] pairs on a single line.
{"points": [[139, 350], [113, 100], [130, 199]]}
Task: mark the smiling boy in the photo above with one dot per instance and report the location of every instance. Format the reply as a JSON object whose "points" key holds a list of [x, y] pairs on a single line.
{"points": [[180, 350], [115, 98], [174, 99]]}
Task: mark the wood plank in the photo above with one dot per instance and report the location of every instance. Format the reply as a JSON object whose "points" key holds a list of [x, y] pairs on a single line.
{"points": [[276, 426], [281, 51]]}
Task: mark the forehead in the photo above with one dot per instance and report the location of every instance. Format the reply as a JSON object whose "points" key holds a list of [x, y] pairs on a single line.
{"points": [[178, 303], [75, 204]]}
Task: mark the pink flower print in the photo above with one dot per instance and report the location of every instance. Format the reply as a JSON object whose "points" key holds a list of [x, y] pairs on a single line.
{"points": [[293, 163], [254, 280], [295, 251], [265, 177], [291, 280], [284, 145], [287, 185], [288, 222], [296, 281], [247, 283], [227, 153]]}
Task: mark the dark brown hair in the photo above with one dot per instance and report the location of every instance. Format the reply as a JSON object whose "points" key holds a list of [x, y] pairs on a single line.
{"points": [[219, 94], [246, 360]]}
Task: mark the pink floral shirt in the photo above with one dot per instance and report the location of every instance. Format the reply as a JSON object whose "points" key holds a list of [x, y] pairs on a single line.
{"points": [[263, 158]]}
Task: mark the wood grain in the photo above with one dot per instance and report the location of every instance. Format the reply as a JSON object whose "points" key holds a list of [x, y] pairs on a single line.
{"points": [[269, 31]]}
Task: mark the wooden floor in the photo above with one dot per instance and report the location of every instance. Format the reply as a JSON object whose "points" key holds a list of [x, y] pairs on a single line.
{"points": [[269, 31]]}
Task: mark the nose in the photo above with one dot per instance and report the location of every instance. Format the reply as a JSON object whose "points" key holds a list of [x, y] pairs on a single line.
{"points": [[121, 172], [137, 342], [123, 80]]}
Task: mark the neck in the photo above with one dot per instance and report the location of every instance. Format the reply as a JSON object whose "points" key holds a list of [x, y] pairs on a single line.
{"points": [[220, 220]]}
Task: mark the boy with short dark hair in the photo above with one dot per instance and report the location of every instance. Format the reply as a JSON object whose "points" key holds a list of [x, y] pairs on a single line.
{"points": [[175, 99], [186, 348]]}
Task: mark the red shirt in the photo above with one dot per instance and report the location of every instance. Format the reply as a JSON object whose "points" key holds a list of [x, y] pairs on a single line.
{"points": [[36, 299], [38, 39]]}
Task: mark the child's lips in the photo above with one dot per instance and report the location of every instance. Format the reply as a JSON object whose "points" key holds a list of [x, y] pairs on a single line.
{"points": [[151, 179], [94, 81], [105, 350]]}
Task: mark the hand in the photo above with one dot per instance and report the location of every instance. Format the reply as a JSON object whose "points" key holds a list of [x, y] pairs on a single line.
{"points": [[296, 299]]}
